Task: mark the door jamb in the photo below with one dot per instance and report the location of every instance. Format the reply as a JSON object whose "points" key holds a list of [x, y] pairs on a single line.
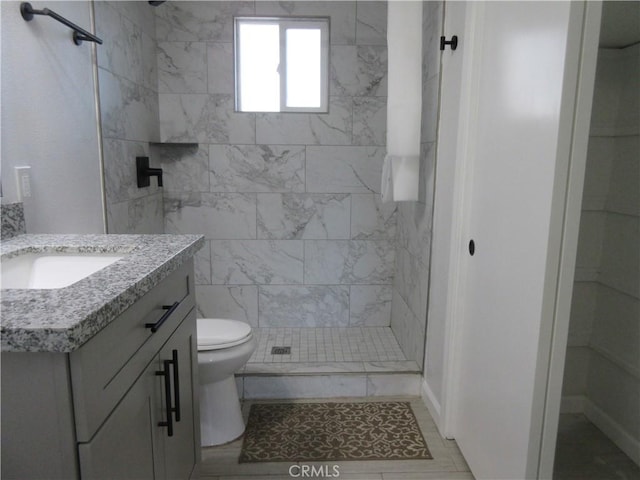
{"points": [[551, 391]]}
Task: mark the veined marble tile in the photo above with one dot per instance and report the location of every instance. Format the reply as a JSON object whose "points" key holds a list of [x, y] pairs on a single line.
{"points": [[427, 174], [118, 217], [348, 262], [392, 366], [305, 216], [184, 118], [342, 14], [138, 13], [202, 264], [371, 219], [393, 384], [140, 215], [371, 23], [185, 167], [332, 128], [149, 62], [120, 170], [237, 303], [121, 52], [204, 119], [245, 262], [431, 32], [257, 168], [182, 67], [414, 229], [358, 70], [220, 65], [406, 329], [412, 282], [308, 306], [304, 386], [205, 21], [370, 305], [370, 121], [226, 125], [344, 169], [298, 368], [129, 111], [429, 126], [215, 215]]}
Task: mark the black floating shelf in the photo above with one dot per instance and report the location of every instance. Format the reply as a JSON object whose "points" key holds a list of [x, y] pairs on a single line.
{"points": [[176, 144]]}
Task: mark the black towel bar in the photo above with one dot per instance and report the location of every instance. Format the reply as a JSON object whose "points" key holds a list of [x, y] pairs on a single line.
{"points": [[79, 34]]}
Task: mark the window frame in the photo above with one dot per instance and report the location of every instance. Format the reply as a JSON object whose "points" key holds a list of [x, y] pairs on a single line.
{"points": [[285, 23]]}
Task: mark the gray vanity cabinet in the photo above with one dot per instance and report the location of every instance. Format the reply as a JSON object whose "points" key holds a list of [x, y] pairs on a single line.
{"points": [[132, 443], [123, 447], [103, 410]]}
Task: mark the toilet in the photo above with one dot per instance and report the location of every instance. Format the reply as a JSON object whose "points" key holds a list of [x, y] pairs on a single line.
{"points": [[224, 347]]}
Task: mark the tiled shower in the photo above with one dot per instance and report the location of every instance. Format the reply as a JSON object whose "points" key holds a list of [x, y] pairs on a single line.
{"points": [[298, 243]]}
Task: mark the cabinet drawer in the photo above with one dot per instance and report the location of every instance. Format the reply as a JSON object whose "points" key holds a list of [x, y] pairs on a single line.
{"points": [[105, 367]]}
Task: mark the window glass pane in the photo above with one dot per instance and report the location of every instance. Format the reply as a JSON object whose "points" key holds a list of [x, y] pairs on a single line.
{"points": [[304, 50], [259, 59]]}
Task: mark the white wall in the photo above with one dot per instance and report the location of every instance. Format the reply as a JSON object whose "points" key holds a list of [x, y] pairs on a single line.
{"points": [[49, 120]]}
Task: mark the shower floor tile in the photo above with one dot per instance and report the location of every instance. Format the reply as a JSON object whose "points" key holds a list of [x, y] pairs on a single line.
{"points": [[327, 345]]}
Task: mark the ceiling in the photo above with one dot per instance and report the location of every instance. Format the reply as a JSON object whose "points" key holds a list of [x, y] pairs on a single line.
{"points": [[620, 24]]}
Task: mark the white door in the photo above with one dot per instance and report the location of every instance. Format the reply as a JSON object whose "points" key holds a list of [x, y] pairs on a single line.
{"points": [[516, 136]]}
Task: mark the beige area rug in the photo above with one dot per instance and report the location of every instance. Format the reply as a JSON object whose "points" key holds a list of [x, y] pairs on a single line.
{"points": [[297, 432]]}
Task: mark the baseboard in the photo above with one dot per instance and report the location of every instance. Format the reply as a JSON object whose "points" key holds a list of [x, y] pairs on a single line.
{"points": [[432, 404], [613, 430], [572, 404]]}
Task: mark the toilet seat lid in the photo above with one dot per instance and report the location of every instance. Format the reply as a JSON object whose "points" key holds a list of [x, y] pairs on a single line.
{"points": [[214, 333]]}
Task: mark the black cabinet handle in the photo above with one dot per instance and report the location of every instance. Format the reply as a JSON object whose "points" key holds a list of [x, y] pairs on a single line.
{"points": [[169, 310], [176, 385], [166, 373]]}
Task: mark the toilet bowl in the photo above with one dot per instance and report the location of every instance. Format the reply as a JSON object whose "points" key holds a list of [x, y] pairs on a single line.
{"points": [[224, 347]]}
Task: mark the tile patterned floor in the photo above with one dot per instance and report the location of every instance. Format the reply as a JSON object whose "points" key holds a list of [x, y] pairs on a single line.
{"points": [[338, 344], [583, 452], [221, 463]]}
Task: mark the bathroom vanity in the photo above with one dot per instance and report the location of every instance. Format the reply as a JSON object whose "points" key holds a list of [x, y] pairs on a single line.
{"points": [[98, 377]]}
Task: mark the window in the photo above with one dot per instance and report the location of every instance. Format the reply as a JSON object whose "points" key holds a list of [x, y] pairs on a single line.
{"points": [[281, 64]]}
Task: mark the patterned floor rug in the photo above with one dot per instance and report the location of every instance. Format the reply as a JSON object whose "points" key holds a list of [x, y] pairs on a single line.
{"points": [[297, 432]]}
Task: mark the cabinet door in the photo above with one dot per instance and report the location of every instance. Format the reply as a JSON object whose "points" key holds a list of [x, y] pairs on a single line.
{"points": [[123, 446], [181, 450]]}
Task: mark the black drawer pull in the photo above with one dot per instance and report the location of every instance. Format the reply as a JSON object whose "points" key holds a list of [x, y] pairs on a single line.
{"points": [[176, 385], [169, 310], [166, 373]]}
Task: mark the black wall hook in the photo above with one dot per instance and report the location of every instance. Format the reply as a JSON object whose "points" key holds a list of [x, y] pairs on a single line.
{"points": [[453, 42], [144, 172], [79, 34]]}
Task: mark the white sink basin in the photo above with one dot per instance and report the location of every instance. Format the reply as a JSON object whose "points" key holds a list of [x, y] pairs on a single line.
{"points": [[52, 270]]}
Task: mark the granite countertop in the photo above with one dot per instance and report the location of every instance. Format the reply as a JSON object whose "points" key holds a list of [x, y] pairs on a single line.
{"points": [[61, 320]]}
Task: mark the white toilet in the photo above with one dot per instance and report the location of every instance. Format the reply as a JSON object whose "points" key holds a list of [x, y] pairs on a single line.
{"points": [[224, 347]]}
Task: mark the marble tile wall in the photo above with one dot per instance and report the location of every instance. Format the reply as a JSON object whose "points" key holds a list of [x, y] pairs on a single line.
{"points": [[128, 79], [413, 240], [289, 203]]}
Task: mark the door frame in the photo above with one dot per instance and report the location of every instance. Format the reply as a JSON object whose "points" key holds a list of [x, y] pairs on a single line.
{"points": [[454, 192]]}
